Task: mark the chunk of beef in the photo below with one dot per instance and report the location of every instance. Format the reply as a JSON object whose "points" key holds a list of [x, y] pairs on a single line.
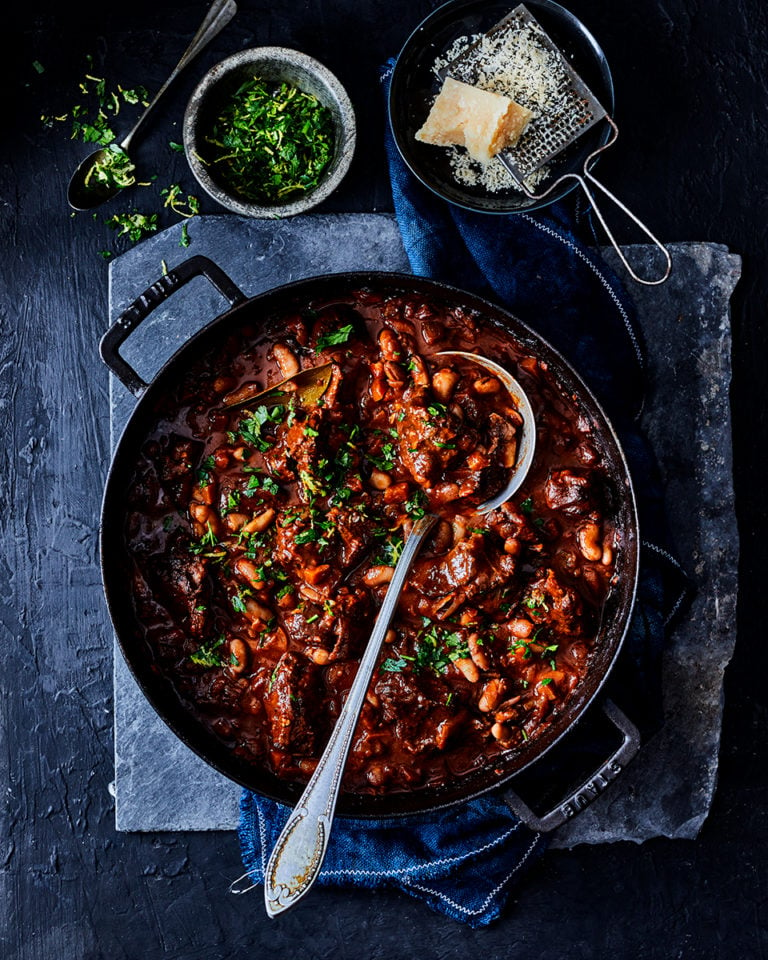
{"points": [[560, 605], [355, 534], [421, 723], [351, 623], [568, 491], [464, 572], [427, 443], [176, 467], [292, 704], [181, 580]]}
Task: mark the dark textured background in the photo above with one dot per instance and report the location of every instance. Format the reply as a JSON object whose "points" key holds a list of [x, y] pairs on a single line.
{"points": [[691, 89]]}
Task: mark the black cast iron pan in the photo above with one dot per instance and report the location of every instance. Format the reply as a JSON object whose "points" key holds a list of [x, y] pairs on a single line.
{"points": [[116, 563]]}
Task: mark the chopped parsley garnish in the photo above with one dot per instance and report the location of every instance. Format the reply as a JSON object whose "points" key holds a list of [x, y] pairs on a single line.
{"points": [[390, 550], [270, 142], [204, 473], [316, 533], [437, 409], [341, 496], [238, 601], [386, 460], [526, 506], [206, 543], [206, 655], [435, 649], [536, 602], [254, 542], [258, 482], [250, 428], [392, 665], [306, 536], [92, 124], [334, 338], [311, 486], [415, 506]]}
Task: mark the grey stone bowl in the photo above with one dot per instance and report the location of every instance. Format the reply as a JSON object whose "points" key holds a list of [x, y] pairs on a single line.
{"points": [[273, 64]]}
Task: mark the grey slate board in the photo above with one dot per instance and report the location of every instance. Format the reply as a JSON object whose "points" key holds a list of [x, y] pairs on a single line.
{"points": [[161, 785]]}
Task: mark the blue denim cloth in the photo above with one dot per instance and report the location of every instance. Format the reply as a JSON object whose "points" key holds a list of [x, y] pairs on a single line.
{"points": [[464, 861]]}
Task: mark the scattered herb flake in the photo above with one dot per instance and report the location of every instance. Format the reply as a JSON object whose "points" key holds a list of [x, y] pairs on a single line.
{"points": [[334, 338], [206, 655], [134, 225], [392, 665]]}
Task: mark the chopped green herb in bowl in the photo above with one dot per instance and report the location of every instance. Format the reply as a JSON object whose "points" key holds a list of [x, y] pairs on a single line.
{"points": [[269, 132], [270, 141]]}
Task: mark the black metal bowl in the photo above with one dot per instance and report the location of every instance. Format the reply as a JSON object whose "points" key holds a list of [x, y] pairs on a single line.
{"points": [[415, 84]]}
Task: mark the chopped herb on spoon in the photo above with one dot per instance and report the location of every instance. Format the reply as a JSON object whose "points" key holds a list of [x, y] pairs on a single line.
{"points": [[270, 141], [113, 169]]}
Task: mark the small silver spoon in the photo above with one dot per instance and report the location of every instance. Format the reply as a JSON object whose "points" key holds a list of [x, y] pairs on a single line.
{"points": [[300, 850], [85, 190]]}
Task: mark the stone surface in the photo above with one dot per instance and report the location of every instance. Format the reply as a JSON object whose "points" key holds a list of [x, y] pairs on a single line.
{"points": [[668, 788]]}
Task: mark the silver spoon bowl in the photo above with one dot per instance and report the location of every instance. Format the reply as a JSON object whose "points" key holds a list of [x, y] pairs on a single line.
{"points": [[86, 189], [298, 855]]}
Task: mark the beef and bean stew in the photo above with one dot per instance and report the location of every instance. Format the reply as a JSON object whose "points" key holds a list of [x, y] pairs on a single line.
{"points": [[262, 537]]}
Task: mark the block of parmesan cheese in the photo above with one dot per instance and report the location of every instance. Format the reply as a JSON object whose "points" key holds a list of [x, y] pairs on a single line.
{"points": [[479, 120]]}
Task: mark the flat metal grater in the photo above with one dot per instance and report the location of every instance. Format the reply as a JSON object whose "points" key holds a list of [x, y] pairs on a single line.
{"points": [[572, 111], [548, 133]]}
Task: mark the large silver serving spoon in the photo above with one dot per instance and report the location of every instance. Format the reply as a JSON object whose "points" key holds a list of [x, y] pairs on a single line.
{"points": [[86, 190], [300, 849]]}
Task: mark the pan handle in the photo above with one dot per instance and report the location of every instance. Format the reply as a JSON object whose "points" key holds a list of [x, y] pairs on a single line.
{"points": [[592, 787], [153, 296]]}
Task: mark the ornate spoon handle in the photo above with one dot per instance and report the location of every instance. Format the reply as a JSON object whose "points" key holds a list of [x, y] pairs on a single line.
{"points": [[219, 15], [300, 849]]}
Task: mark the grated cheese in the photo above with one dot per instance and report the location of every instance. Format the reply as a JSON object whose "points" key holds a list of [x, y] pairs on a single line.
{"points": [[516, 62]]}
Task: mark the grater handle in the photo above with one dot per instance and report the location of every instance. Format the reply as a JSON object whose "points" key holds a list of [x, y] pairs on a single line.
{"points": [[588, 180]]}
